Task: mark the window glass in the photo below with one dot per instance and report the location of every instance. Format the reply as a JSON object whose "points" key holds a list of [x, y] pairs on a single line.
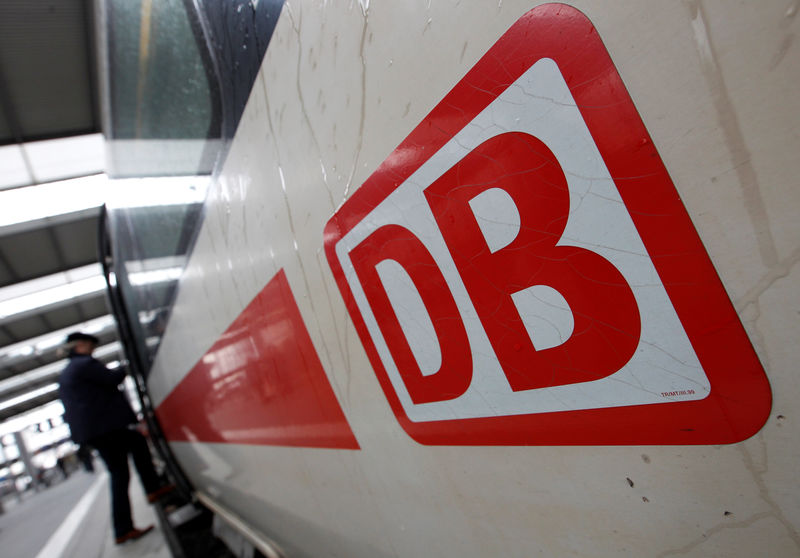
{"points": [[163, 107], [150, 245]]}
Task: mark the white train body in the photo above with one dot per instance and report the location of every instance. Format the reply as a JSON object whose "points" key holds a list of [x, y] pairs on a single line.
{"points": [[289, 410]]}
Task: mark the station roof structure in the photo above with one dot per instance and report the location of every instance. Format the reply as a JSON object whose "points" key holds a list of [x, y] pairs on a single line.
{"points": [[51, 173]]}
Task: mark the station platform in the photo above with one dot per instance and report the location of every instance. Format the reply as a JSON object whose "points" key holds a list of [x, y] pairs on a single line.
{"points": [[72, 518]]}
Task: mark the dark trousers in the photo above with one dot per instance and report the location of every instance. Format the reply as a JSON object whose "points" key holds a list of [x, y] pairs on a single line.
{"points": [[114, 448]]}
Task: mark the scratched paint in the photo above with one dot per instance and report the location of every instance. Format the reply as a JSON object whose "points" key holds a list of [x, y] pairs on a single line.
{"points": [[597, 222], [318, 119], [629, 348]]}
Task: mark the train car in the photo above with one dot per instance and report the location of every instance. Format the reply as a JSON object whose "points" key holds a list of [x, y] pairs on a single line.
{"points": [[445, 278]]}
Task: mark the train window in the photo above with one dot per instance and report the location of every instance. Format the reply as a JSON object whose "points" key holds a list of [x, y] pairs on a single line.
{"points": [[175, 77], [152, 235], [160, 90]]}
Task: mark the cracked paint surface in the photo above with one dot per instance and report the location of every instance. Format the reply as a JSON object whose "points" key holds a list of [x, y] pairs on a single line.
{"points": [[339, 89], [478, 380], [540, 103]]}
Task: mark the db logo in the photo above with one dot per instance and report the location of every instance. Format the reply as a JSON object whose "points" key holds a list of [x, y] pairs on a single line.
{"points": [[521, 270]]}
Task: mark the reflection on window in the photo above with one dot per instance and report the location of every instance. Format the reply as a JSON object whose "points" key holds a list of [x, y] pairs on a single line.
{"points": [[152, 236], [160, 92]]}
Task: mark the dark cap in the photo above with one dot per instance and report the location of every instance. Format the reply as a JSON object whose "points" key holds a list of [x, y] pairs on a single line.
{"points": [[78, 336]]}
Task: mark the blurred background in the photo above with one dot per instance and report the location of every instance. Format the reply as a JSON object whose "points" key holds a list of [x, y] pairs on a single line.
{"points": [[52, 185]]}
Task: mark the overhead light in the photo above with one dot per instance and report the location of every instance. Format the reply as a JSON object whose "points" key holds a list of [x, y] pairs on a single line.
{"points": [[21, 299], [49, 160], [15, 172], [28, 207], [155, 270], [46, 201], [20, 422], [97, 325], [126, 193], [59, 158], [110, 349], [140, 278], [14, 401], [24, 351], [49, 341], [53, 291], [13, 383], [73, 290]]}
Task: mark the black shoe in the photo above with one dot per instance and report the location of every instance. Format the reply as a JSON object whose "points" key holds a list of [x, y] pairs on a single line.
{"points": [[134, 534]]}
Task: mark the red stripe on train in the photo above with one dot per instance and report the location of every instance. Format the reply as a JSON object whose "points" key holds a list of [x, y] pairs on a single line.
{"points": [[261, 383]]}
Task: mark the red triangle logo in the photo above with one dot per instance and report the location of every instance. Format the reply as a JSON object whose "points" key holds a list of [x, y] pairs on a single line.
{"points": [[261, 383]]}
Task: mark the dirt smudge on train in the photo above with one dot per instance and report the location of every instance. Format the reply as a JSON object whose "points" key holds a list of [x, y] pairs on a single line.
{"points": [[732, 133]]}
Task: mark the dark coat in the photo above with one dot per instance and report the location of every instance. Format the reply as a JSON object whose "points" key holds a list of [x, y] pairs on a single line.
{"points": [[93, 402]]}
